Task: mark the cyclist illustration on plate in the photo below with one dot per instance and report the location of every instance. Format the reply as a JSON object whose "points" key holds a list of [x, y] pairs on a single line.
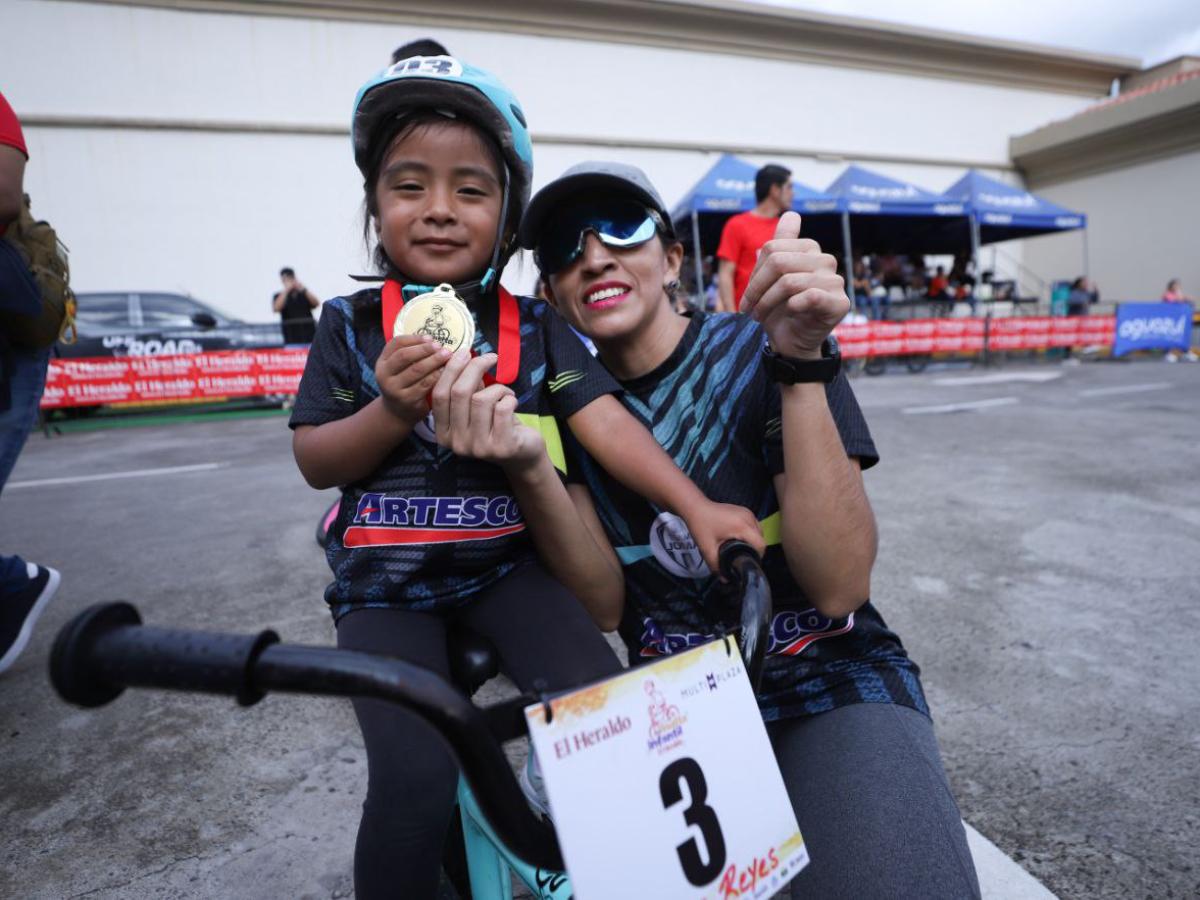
{"points": [[435, 327]]}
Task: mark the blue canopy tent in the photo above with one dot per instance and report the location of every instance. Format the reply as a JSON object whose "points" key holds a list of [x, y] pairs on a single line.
{"points": [[728, 188], [884, 215], [1001, 212]]}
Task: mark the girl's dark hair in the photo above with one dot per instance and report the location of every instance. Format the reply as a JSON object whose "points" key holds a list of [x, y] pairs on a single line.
{"points": [[401, 128]]}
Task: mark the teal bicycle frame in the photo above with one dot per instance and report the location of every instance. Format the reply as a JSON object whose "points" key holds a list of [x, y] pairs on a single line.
{"points": [[490, 864]]}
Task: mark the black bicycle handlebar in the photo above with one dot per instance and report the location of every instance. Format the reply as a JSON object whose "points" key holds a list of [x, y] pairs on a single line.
{"points": [[740, 563], [105, 649]]}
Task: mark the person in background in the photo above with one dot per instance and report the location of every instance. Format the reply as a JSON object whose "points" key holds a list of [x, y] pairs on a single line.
{"points": [[1174, 294], [864, 291], [295, 304], [745, 233], [1083, 294], [25, 588], [939, 291], [962, 281]]}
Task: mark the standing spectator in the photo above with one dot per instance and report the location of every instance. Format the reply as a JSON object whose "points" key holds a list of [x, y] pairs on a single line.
{"points": [[962, 280], [745, 233], [939, 292], [1083, 294], [25, 587], [865, 294], [295, 304], [1174, 294]]}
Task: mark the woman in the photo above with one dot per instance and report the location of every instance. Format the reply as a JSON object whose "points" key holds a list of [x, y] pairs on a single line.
{"points": [[752, 408]]}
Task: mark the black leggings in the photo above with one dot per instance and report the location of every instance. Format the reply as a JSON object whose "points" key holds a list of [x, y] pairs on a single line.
{"points": [[541, 632]]}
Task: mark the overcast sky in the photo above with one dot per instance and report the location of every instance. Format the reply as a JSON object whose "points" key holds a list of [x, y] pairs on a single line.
{"points": [[1150, 30]]}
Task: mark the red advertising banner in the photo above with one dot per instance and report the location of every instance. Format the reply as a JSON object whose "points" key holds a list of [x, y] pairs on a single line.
{"points": [[196, 376], [912, 336]]}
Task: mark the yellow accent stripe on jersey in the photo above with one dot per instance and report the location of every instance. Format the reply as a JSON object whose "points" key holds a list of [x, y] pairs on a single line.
{"points": [[770, 528], [547, 427]]}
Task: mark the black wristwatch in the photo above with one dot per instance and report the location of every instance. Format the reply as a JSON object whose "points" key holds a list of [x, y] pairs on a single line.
{"points": [[789, 370]]}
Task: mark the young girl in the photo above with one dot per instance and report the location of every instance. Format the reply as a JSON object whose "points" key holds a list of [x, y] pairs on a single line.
{"points": [[462, 517]]}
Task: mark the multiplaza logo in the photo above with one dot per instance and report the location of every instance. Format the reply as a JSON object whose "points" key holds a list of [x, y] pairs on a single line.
{"points": [[712, 681], [675, 548], [383, 520]]}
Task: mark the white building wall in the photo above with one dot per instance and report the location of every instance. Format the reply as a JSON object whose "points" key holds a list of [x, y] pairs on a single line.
{"points": [[1141, 229], [216, 214]]}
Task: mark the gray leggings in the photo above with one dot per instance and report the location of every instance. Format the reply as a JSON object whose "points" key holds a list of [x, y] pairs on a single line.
{"points": [[874, 806]]}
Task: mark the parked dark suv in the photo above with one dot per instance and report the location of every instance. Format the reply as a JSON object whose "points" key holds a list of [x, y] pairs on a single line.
{"points": [[152, 323]]}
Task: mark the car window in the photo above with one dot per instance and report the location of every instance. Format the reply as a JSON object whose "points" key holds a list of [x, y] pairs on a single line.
{"points": [[168, 310], [102, 312]]}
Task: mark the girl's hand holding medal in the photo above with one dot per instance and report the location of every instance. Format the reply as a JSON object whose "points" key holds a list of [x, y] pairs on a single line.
{"points": [[407, 370]]}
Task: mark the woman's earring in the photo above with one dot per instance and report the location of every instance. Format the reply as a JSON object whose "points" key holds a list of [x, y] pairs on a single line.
{"points": [[672, 287]]}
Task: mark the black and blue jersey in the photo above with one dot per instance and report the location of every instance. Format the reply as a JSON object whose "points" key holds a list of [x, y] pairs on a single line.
{"points": [[428, 529], [713, 408]]}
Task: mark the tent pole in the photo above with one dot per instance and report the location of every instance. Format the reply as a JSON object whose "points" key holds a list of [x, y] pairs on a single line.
{"points": [[700, 295], [848, 259], [975, 258], [1085, 254]]}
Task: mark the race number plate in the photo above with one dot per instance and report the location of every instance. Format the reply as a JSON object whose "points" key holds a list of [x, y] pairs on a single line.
{"points": [[662, 783]]}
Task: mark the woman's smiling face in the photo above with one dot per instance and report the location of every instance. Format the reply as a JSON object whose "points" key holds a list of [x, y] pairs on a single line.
{"points": [[610, 294], [438, 198]]}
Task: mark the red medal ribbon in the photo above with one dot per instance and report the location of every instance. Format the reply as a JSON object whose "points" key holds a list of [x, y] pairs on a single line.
{"points": [[509, 352]]}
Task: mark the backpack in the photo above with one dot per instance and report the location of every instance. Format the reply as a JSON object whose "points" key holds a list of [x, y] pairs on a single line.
{"points": [[46, 257]]}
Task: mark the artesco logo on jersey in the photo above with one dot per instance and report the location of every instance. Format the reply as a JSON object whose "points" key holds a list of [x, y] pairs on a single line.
{"points": [[382, 520], [791, 633], [675, 548]]}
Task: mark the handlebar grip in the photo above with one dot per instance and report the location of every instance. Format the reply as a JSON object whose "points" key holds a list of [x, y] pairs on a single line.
{"points": [[741, 563], [105, 649], [729, 556]]}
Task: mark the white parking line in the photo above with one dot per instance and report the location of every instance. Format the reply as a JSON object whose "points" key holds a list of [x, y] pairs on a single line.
{"points": [[998, 378], [959, 407], [108, 476], [1001, 878], [1126, 389]]}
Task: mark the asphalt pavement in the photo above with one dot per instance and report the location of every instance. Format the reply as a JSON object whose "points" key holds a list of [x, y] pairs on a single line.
{"points": [[1039, 555]]}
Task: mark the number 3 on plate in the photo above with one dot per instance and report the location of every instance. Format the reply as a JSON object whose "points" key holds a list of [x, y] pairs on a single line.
{"points": [[686, 769]]}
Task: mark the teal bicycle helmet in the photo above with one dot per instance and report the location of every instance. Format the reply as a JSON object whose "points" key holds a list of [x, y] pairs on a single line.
{"points": [[448, 85], [455, 89]]}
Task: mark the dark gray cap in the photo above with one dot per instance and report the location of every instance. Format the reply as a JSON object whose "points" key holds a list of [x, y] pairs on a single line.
{"points": [[588, 177]]}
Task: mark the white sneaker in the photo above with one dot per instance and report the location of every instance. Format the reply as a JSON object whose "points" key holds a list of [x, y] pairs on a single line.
{"points": [[533, 786], [1171, 356], [1191, 356]]}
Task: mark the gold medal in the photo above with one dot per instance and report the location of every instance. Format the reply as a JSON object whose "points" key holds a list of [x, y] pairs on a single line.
{"points": [[442, 315]]}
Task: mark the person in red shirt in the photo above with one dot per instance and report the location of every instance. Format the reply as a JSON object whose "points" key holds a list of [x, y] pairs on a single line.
{"points": [[25, 588], [745, 233]]}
